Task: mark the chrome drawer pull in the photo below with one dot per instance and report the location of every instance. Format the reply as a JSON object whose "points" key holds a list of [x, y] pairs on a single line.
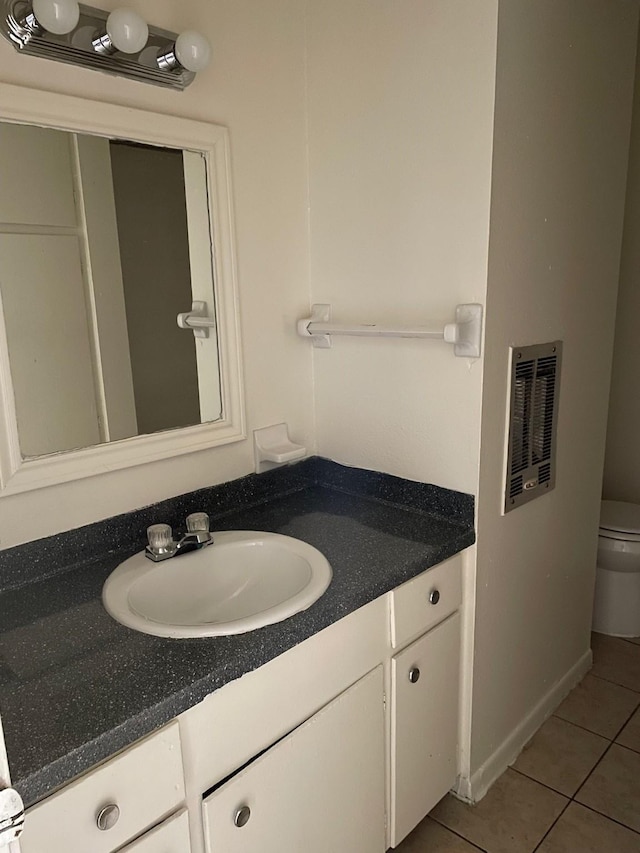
{"points": [[107, 817], [241, 817], [434, 596], [414, 674]]}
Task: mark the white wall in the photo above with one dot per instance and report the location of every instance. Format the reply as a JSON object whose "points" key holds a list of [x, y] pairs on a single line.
{"points": [[254, 86], [400, 139], [563, 97], [622, 459]]}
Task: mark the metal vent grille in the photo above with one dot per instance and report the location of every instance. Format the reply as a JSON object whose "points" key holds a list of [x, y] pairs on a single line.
{"points": [[535, 383]]}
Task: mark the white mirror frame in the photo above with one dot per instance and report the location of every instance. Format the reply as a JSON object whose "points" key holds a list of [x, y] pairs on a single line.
{"points": [[76, 115]]}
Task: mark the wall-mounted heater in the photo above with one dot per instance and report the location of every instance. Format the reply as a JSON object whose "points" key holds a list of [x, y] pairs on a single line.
{"points": [[533, 419]]}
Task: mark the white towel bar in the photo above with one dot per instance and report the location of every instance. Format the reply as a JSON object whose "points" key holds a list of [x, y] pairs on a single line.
{"points": [[465, 333]]}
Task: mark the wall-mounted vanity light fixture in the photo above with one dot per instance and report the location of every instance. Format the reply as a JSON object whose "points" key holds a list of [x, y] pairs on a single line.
{"points": [[119, 42]]}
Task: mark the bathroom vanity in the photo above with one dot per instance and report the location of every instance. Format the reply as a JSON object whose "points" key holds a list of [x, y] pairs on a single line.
{"points": [[320, 749], [334, 729]]}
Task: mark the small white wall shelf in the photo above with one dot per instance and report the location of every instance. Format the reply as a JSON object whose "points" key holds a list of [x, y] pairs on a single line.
{"points": [[272, 447], [465, 333]]}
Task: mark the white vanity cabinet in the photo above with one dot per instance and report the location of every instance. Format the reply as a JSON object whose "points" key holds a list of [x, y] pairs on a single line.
{"points": [[111, 805], [320, 788], [342, 743]]}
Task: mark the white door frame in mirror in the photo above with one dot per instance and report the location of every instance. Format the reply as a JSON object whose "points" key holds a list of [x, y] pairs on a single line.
{"points": [[62, 112]]}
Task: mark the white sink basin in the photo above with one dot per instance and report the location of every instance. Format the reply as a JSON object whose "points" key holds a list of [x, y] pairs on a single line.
{"points": [[243, 581]]}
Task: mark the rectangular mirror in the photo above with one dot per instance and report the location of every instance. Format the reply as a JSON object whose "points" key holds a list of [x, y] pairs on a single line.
{"points": [[105, 238]]}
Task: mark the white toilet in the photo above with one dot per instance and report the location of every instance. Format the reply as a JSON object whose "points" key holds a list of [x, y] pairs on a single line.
{"points": [[616, 608]]}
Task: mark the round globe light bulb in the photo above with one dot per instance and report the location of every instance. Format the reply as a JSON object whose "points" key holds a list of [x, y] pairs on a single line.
{"points": [[56, 16], [127, 30], [192, 50]]}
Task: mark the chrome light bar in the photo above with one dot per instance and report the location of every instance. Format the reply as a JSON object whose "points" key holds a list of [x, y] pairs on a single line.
{"points": [[77, 47]]}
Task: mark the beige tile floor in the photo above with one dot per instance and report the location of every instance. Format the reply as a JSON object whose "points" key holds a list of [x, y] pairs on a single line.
{"points": [[574, 789]]}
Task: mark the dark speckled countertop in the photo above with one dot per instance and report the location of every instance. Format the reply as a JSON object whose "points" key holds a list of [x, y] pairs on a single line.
{"points": [[75, 686]]}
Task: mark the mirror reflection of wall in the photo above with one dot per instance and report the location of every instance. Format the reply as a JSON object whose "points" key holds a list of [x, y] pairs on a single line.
{"points": [[96, 260], [151, 214]]}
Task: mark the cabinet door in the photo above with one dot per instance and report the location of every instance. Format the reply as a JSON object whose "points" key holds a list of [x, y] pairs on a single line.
{"points": [[424, 725], [319, 789]]}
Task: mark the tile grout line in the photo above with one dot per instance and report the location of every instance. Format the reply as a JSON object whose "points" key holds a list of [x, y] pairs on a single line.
{"points": [[457, 834], [606, 816], [542, 840], [608, 681], [544, 784], [617, 683], [596, 765], [585, 729], [623, 727], [628, 748], [604, 737], [590, 773]]}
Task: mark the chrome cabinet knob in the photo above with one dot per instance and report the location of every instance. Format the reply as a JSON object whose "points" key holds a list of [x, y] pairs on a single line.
{"points": [[434, 596], [414, 674], [108, 817], [241, 817]]}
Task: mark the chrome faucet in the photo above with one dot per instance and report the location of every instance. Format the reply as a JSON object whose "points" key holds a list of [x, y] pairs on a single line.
{"points": [[162, 545]]}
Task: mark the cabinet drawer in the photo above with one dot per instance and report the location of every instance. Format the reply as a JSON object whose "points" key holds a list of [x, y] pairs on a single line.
{"points": [[319, 789], [421, 603], [425, 689], [145, 782], [172, 836]]}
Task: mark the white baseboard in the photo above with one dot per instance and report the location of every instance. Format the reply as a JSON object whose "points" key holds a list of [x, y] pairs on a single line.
{"points": [[473, 789]]}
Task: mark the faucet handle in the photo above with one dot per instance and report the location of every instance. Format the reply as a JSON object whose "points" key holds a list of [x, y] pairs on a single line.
{"points": [[161, 542], [198, 528], [198, 522]]}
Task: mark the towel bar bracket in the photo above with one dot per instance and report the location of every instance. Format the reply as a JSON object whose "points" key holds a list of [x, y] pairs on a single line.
{"points": [[320, 313], [468, 335]]}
